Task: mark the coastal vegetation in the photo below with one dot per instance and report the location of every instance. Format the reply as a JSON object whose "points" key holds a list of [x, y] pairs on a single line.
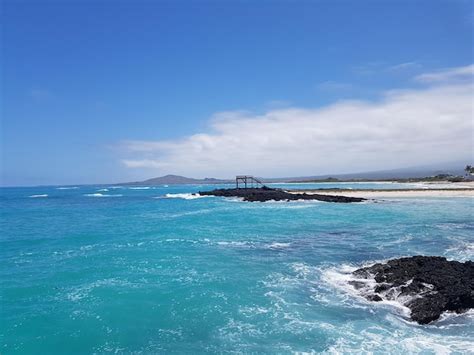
{"points": [[469, 169]]}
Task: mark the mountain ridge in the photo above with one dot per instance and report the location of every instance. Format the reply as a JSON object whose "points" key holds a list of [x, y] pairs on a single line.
{"points": [[402, 173], [172, 179]]}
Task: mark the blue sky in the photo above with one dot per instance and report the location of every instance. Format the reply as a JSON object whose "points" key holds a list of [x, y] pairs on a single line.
{"points": [[109, 91]]}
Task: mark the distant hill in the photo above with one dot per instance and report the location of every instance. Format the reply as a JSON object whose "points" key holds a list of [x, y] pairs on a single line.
{"points": [[176, 180], [453, 168]]}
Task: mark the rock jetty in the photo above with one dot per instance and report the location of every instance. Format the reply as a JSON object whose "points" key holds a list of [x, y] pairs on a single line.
{"points": [[263, 194], [427, 285]]}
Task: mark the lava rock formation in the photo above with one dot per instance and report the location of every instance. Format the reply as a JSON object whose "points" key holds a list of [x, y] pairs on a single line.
{"points": [[263, 194], [429, 285]]}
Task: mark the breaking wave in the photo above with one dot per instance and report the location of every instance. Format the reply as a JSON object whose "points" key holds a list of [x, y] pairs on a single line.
{"points": [[254, 245], [462, 250], [38, 196], [343, 279], [185, 196]]}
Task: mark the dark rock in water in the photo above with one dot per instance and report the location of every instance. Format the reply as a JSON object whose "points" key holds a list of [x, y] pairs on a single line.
{"points": [[375, 298], [267, 194], [431, 284], [357, 284]]}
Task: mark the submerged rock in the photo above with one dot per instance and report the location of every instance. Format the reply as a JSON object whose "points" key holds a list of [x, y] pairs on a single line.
{"points": [[427, 285], [263, 194]]}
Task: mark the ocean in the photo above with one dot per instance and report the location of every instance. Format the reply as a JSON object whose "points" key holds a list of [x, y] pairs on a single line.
{"points": [[140, 270]]}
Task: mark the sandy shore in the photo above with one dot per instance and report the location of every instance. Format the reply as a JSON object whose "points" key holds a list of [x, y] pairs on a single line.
{"points": [[394, 193]]}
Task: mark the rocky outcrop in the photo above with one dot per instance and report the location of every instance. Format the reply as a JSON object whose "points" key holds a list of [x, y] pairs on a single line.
{"points": [[268, 194], [427, 285]]}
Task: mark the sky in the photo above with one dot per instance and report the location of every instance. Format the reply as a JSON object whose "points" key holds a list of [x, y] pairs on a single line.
{"points": [[112, 91]]}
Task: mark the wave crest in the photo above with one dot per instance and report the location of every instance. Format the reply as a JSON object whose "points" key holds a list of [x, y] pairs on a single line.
{"points": [[185, 196]]}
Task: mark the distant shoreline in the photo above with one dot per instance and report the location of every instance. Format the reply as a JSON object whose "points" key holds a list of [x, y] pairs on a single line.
{"points": [[392, 193]]}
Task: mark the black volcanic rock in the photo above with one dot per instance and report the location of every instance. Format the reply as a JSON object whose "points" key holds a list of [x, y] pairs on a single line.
{"points": [[263, 194], [429, 285]]}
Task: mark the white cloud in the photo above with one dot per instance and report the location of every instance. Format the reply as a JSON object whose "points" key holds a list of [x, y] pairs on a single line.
{"points": [[380, 68], [405, 128], [452, 74], [404, 66]]}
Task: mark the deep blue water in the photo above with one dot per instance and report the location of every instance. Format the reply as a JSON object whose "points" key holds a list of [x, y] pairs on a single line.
{"points": [[126, 270]]}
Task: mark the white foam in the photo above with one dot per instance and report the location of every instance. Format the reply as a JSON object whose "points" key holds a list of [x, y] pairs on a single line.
{"points": [[190, 213], [400, 240], [339, 278], [440, 185], [393, 335], [463, 250], [67, 188], [252, 311], [253, 245], [354, 336], [140, 188], [401, 341], [185, 196], [178, 240], [452, 319], [101, 195], [234, 199], [103, 190], [276, 245], [79, 292], [38, 196], [236, 244]]}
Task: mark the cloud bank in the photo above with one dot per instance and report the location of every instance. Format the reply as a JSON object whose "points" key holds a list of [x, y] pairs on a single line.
{"points": [[409, 127]]}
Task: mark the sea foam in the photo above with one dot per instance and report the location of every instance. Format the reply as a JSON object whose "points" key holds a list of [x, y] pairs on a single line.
{"points": [[185, 196], [340, 278]]}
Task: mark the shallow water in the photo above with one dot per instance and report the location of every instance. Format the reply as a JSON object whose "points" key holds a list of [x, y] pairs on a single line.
{"points": [[98, 269]]}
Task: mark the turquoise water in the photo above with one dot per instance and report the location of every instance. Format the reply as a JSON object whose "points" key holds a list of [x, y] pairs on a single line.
{"points": [[86, 270]]}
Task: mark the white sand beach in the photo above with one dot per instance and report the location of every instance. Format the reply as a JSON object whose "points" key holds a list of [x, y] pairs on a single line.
{"points": [[464, 189]]}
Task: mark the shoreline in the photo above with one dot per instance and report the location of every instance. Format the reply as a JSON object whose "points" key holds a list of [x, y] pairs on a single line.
{"points": [[390, 193]]}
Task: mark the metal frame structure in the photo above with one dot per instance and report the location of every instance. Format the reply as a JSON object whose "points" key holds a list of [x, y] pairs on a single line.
{"points": [[248, 181]]}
